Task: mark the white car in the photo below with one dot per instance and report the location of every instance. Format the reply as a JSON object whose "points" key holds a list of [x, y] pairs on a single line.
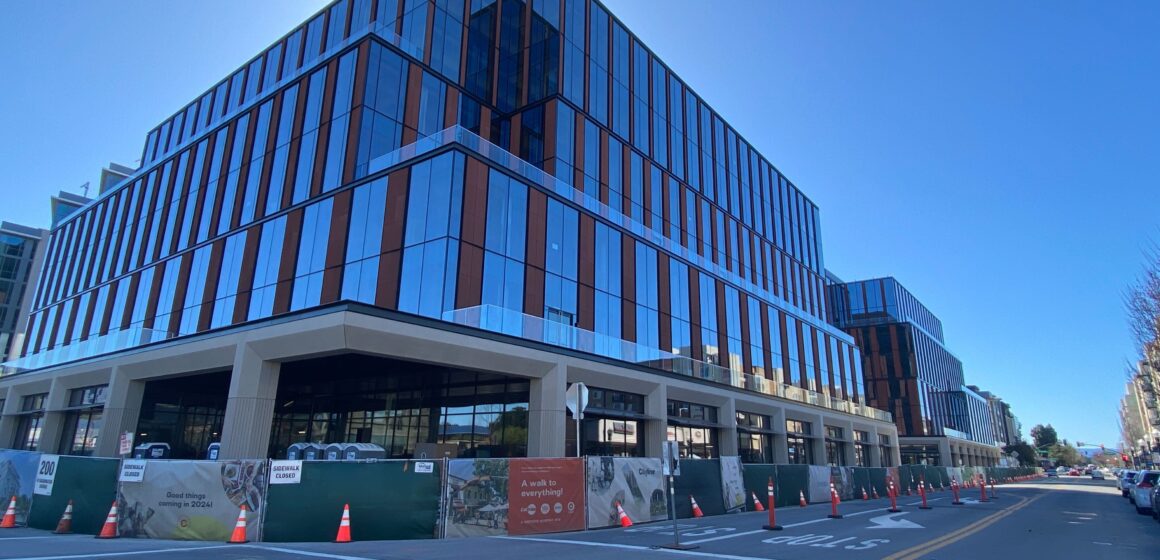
{"points": [[1097, 474], [1141, 493], [1124, 482]]}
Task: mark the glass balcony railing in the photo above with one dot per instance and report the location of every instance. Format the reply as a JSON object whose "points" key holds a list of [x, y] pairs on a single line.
{"points": [[91, 347], [513, 323]]}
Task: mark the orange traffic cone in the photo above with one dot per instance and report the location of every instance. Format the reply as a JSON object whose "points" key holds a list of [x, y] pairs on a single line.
{"points": [[802, 498], [696, 508], [756, 502], [865, 496], [9, 520], [623, 517], [109, 529], [239, 535], [64, 527], [834, 501], [344, 526]]}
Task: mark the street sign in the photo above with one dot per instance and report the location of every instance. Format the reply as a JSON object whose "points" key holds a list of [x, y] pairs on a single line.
{"points": [[126, 444], [45, 475], [671, 462], [576, 399]]}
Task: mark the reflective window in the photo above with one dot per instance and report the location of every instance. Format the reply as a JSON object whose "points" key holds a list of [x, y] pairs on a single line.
{"points": [[446, 38], [364, 241], [195, 290], [309, 140], [266, 268], [281, 150], [382, 129], [311, 255], [256, 158], [340, 115], [227, 283]]}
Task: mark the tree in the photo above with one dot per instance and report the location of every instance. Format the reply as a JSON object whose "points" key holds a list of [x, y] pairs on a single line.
{"points": [[1044, 436], [1066, 455], [1024, 452], [1142, 301]]}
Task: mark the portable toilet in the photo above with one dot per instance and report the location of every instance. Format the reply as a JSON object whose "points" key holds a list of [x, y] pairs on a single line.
{"points": [[358, 451], [215, 449], [333, 452], [304, 451], [151, 450]]}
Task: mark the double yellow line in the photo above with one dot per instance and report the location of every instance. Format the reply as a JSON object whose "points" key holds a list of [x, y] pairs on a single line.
{"points": [[917, 551]]}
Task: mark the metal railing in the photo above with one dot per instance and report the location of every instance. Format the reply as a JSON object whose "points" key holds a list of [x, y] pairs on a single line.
{"points": [[514, 323], [92, 346]]}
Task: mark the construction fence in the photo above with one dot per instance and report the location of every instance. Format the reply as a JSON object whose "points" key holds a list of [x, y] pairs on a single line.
{"points": [[302, 501]]}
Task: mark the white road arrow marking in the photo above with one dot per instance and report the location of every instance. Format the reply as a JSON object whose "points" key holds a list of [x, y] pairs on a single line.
{"points": [[888, 522]]}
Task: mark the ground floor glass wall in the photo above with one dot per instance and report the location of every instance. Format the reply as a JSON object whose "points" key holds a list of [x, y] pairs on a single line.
{"points": [[185, 412]]}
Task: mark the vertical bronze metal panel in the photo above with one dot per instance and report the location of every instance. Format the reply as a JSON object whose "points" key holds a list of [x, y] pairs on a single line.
{"points": [[786, 375], [766, 346], [700, 219], [722, 325], [578, 153], [209, 293], [246, 277], [533, 291], [154, 292], [801, 342], [411, 107], [183, 185], [525, 48], [537, 227], [485, 123], [106, 314], [146, 217], [586, 307], [336, 247], [288, 262], [463, 43], [587, 251], [550, 136], [714, 242], [430, 32], [665, 319], [514, 136], [119, 216], [51, 333], [88, 265], [294, 151], [628, 288], [356, 114], [494, 47], [220, 181], [130, 301], [604, 166], [164, 193], [695, 313], [244, 170], [469, 283], [400, 11], [327, 108], [268, 160], [387, 292], [451, 108], [730, 224], [626, 178], [743, 312], [474, 228], [174, 325]]}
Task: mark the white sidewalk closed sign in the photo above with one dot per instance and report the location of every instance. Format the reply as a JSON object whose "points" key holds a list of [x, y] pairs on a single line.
{"points": [[132, 470], [285, 472], [46, 475]]}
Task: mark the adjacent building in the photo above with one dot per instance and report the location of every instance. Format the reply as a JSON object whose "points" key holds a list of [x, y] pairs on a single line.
{"points": [[910, 373], [21, 252], [1140, 413], [1004, 424], [416, 223]]}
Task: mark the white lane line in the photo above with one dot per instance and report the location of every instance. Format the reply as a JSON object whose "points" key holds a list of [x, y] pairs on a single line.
{"points": [[729, 536], [2, 539], [634, 547], [1102, 543], [306, 552], [128, 553]]}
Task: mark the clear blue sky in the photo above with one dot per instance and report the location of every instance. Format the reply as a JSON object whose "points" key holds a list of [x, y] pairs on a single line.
{"points": [[998, 159]]}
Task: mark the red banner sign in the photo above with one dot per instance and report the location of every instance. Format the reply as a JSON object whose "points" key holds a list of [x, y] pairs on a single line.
{"points": [[545, 496]]}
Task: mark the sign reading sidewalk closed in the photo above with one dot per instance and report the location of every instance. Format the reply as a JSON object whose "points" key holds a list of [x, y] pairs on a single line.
{"points": [[132, 470], [285, 472], [46, 475]]}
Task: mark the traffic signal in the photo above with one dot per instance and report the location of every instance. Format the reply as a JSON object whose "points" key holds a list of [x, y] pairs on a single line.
{"points": [[1124, 457]]}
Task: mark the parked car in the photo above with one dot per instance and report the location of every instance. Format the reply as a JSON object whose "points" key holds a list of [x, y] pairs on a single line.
{"points": [[1124, 483], [1156, 503], [1051, 474], [1097, 474], [1142, 491], [1073, 472]]}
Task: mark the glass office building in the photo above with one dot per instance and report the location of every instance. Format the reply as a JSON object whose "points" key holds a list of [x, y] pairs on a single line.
{"points": [[497, 172], [20, 248], [910, 372]]}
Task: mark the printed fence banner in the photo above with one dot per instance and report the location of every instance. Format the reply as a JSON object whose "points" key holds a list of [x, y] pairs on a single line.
{"points": [[193, 500], [635, 482], [819, 484], [514, 496], [843, 478], [733, 483], [17, 478]]}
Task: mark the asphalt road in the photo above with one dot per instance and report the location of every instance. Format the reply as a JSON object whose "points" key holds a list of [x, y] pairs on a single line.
{"points": [[1055, 518]]}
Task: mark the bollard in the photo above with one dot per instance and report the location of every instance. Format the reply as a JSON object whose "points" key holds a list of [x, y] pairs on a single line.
{"points": [[922, 492], [893, 498], [773, 526], [955, 492]]}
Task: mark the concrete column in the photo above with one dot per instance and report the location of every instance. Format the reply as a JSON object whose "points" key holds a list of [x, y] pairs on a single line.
{"points": [[780, 446], [656, 430], [818, 440], [547, 414], [875, 449], [122, 409], [7, 419], [946, 454], [727, 435], [53, 424], [250, 408]]}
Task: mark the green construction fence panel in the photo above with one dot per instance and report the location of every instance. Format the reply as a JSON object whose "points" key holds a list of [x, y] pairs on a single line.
{"points": [[862, 482], [756, 478], [701, 479], [878, 481], [789, 483], [91, 484], [389, 500], [793, 481]]}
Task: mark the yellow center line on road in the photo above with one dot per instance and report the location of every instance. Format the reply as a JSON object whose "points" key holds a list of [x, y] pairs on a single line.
{"points": [[915, 552]]}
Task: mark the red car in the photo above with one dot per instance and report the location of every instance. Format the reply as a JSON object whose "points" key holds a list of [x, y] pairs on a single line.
{"points": [[1073, 472]]}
